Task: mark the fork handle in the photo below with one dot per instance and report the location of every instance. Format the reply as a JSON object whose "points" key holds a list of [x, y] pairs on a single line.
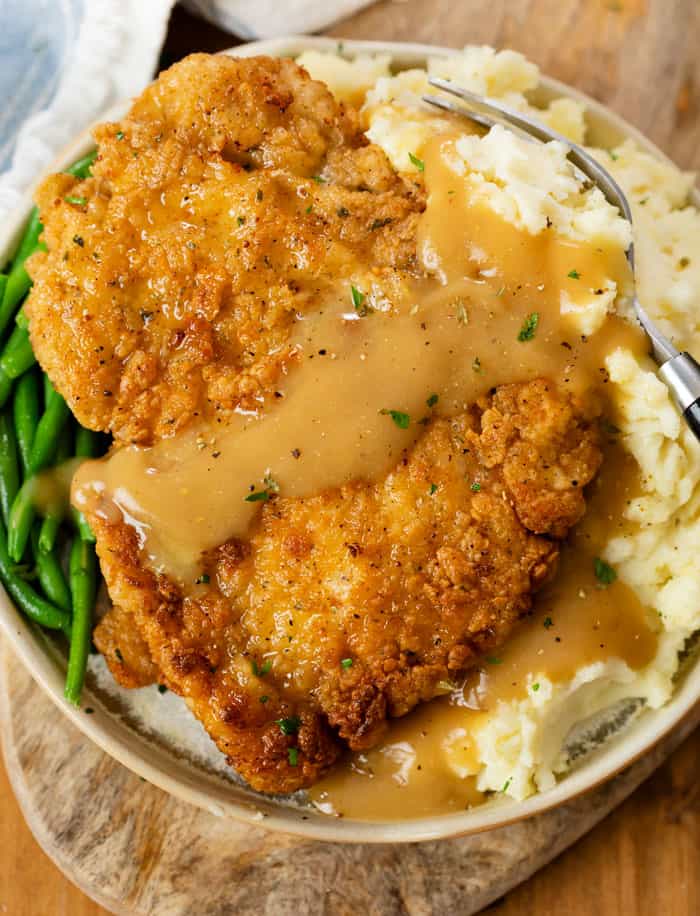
{"points": [[692, 416], [682, 375]]}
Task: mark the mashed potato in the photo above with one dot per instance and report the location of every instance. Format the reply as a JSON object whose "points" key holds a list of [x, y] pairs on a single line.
{"points": [[519, 743]]}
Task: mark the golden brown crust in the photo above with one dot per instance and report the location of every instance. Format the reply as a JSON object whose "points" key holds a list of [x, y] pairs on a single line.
{"points": [[171, 294], [362, 600], [228, 197], [124, 650]]}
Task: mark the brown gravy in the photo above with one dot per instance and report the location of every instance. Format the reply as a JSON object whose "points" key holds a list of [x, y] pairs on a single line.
{"points": [[454, 333], [575, 622]]}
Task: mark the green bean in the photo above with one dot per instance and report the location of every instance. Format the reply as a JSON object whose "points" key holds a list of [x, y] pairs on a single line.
{"points": [[86, 443], [86, 446], [26, 415], [26, 598], [18, 281], [21, 519], [17, 355], [5, 388], [81, 168], [53, 420], [5, 380], [81, 523], [50, 573], [48, 389], [54, 517], [49, 532], [9, 466], [21, 319], [83, 586], [65, 448]]}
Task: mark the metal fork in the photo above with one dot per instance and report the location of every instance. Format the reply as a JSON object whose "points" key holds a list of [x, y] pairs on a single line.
{"points": [[679, 371]]}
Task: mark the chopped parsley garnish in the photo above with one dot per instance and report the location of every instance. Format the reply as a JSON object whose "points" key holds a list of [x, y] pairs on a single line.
{"points": [[289, 726], [261, 670], [309, 208], [547, 623], [433, 488], [202, 580], [476, 365], [78, 201], [604, 573], [536, 687], [506, 784], [492, 660], [293, 754], [358, 302], [612, 155], [574, 275], [162, 688], [120, 135], [432, 400], [257, 497], [346, 663], [527, 331], [264, 698], [79, 241], [475, 487], [319, 179], [240, 220], [401, 419], [419, 164]]}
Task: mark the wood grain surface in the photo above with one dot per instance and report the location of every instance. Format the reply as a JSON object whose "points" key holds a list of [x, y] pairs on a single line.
{"points": [[639, 57], [141, 852]]}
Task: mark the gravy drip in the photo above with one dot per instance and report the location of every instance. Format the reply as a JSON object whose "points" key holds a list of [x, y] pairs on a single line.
{"points": [[575, 622], [453, 333]]}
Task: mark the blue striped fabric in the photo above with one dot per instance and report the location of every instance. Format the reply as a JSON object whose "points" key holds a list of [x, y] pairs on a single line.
{"points": [[36, 37]]}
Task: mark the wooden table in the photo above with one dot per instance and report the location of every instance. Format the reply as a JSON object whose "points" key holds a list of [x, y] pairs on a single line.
{"points": [[640, 57]]}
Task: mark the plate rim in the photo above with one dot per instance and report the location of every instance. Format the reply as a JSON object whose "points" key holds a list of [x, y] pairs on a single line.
{"points": [[162, 769]]}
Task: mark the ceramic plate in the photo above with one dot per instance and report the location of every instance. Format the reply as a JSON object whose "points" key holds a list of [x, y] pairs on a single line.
{"points": [[159, 740]]}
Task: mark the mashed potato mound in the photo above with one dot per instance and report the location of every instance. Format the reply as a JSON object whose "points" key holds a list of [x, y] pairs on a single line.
{"points": [[519, 743], [348, 80]]}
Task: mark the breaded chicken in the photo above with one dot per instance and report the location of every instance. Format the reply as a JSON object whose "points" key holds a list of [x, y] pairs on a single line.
{"points": [[232, 194], [348, 608], [221, 208]]}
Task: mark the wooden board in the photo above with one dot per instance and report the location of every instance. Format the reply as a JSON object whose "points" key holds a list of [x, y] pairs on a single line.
{"points": [[138, 851], [115, 835]]}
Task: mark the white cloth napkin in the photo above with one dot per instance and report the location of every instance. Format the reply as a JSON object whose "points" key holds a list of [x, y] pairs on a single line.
{"points": [[98, 52]]}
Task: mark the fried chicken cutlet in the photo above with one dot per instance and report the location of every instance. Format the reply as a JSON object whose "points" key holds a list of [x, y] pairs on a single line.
{"points": [[232, 194], [344, 609], [368, 598]]}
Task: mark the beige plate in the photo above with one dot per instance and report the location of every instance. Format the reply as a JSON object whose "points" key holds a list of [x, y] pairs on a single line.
{"points": [[182, 777]]}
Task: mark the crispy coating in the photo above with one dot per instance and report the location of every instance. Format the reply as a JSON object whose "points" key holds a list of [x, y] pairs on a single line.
{"points": [[364, 601], [229, 197], [124, 649]]}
